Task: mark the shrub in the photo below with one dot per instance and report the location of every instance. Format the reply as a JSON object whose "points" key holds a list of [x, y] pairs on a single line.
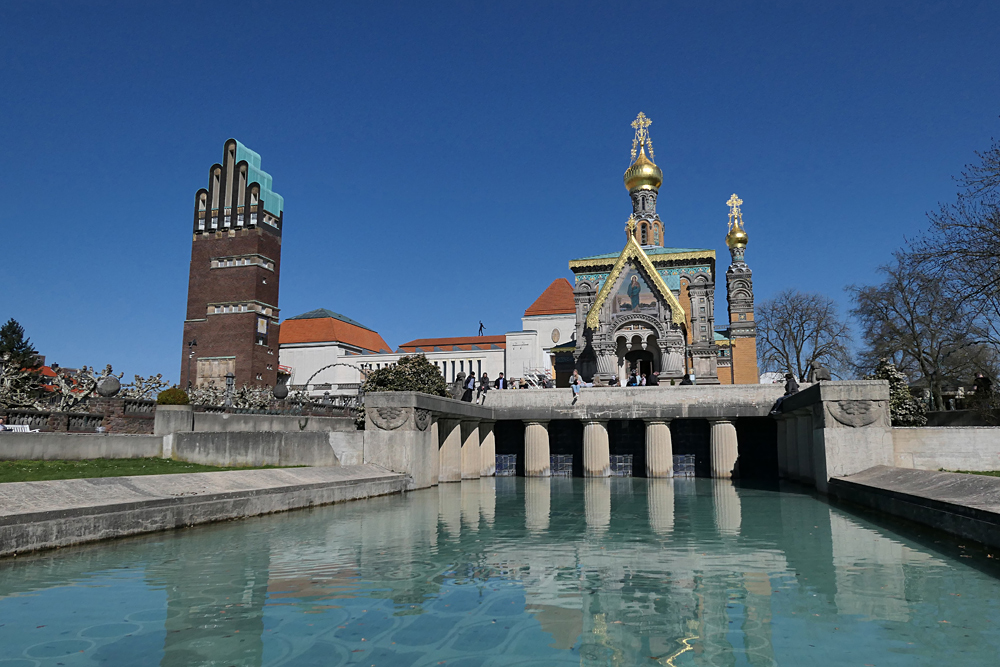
{"points": [[903, 408], [412, 373], [173, 396]]}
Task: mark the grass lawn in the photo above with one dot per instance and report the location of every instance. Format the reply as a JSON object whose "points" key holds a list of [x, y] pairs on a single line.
{"points": [[34, 471]]}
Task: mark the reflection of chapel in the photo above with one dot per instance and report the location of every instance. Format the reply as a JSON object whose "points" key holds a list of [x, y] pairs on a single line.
{"points": [[652, 308]]}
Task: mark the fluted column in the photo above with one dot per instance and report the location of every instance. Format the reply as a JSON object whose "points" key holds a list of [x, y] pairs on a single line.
{"points": [[725, 448], [660, 497], [450, 453], [537, 501], [597, 503], [536, 449], [596, 449], [487, 449], [659, 449], [472, 462]]}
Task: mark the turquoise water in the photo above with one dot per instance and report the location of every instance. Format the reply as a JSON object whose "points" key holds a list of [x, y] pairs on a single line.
{"points": [[514, 572]]}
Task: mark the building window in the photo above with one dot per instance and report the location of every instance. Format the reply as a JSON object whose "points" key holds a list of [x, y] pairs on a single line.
{"points": [[453, 371], [479, 367]]}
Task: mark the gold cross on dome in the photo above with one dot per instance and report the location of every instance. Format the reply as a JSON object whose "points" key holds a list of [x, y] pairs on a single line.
{"points": [[641, 125], [735, 215]]}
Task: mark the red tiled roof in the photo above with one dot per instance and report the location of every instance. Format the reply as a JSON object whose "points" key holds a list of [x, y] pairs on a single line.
{"points": [[557, 299], [332, 330], [462, 343]]}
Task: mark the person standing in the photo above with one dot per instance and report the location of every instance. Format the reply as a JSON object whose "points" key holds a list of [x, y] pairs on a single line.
{"points": [[469, 386], [654, 379], [484, 386], [642, 380]]}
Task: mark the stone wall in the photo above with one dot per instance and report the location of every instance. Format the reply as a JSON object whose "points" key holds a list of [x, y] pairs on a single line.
{"points": [[975, 448], [114, 415], [77, 446], [226, 422], [313, 448]]}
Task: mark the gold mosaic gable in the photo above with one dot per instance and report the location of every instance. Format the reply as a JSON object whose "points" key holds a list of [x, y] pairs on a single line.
{"points": [[634, 251]]}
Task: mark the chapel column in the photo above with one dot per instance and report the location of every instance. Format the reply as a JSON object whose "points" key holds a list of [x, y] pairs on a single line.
{"points": [[471, 460], [724, 448], [659, 449], [536, 449], [596, 449], [450, 454], [487, 449]]}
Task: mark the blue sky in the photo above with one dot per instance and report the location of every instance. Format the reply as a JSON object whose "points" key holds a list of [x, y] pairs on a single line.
{"points": [[441, 162]]}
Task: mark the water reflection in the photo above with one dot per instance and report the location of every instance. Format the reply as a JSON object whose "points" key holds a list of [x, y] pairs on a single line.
{"points": [[509, 571]]}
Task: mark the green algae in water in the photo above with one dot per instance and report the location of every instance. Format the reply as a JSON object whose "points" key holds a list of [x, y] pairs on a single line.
{"points": [[512, 572]]}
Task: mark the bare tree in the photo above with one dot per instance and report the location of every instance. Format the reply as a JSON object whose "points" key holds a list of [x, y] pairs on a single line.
{"points": [[962, 246], [916, 319], [795, 329]]}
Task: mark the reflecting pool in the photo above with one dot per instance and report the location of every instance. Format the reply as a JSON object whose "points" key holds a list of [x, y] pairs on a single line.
{"points": [[513, 571]]}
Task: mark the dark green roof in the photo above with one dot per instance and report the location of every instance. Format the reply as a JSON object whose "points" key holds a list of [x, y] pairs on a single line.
{"points": [[323, 313]]}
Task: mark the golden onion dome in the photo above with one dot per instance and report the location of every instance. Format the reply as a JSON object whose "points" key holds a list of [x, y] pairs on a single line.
{"points": [[643, 174], [737, 237]]}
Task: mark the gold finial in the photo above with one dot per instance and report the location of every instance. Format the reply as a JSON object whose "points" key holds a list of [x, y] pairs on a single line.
{"points": [[630, 227], [735, 215], [640, 125]]}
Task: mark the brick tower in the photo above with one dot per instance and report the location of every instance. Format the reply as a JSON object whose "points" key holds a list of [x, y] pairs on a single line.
{"points": [[232, 308], [739, 295]]}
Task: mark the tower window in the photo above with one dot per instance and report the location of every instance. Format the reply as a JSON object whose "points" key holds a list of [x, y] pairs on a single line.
{"points": [[642, 234]]}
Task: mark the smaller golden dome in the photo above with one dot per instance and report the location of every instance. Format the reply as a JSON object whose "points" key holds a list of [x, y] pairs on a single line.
{"points": [[737, 237], [643, 174]]}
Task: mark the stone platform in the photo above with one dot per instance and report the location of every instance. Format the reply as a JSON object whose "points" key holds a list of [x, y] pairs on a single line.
{"points": [[960, 504], [43, 515]]}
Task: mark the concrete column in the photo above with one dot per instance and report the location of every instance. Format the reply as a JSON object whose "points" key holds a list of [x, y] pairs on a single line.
{"points": [[472, 462], [487, 449], [660, 496], [597, 503], [450, 454], [803, 431], [725, 448], [596, 450], [728, 511], [782, 431], [536, 449], [659, 449], [537, 500]]}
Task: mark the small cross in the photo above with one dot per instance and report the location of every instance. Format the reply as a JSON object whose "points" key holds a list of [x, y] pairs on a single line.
{"points": [[640, 125], [735, 216]]}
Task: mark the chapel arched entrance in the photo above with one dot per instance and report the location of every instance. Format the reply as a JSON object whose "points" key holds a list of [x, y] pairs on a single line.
{"points": [[637, 347]]}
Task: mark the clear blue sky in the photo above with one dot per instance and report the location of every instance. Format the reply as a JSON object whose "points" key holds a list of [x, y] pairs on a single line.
{"points": [[441, 162]]}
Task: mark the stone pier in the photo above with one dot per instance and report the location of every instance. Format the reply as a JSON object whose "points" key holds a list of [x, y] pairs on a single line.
{"points": [[487, 449], [596, 449], [536, 449], [659, 449], [450, 467], [472, 462], [724, 448]]}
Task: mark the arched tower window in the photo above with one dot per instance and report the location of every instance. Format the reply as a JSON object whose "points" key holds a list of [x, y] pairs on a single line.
{"points": [[643, 234]]}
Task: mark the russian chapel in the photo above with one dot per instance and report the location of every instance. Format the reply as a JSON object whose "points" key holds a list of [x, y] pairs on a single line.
{"points": [[651, 308]]}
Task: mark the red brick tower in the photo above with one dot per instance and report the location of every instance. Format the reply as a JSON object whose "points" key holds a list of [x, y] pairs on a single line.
{"points": [[232, 309]]}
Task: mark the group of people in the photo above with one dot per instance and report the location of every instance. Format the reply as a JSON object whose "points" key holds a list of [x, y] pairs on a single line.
{"points": [[475, 390]]}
